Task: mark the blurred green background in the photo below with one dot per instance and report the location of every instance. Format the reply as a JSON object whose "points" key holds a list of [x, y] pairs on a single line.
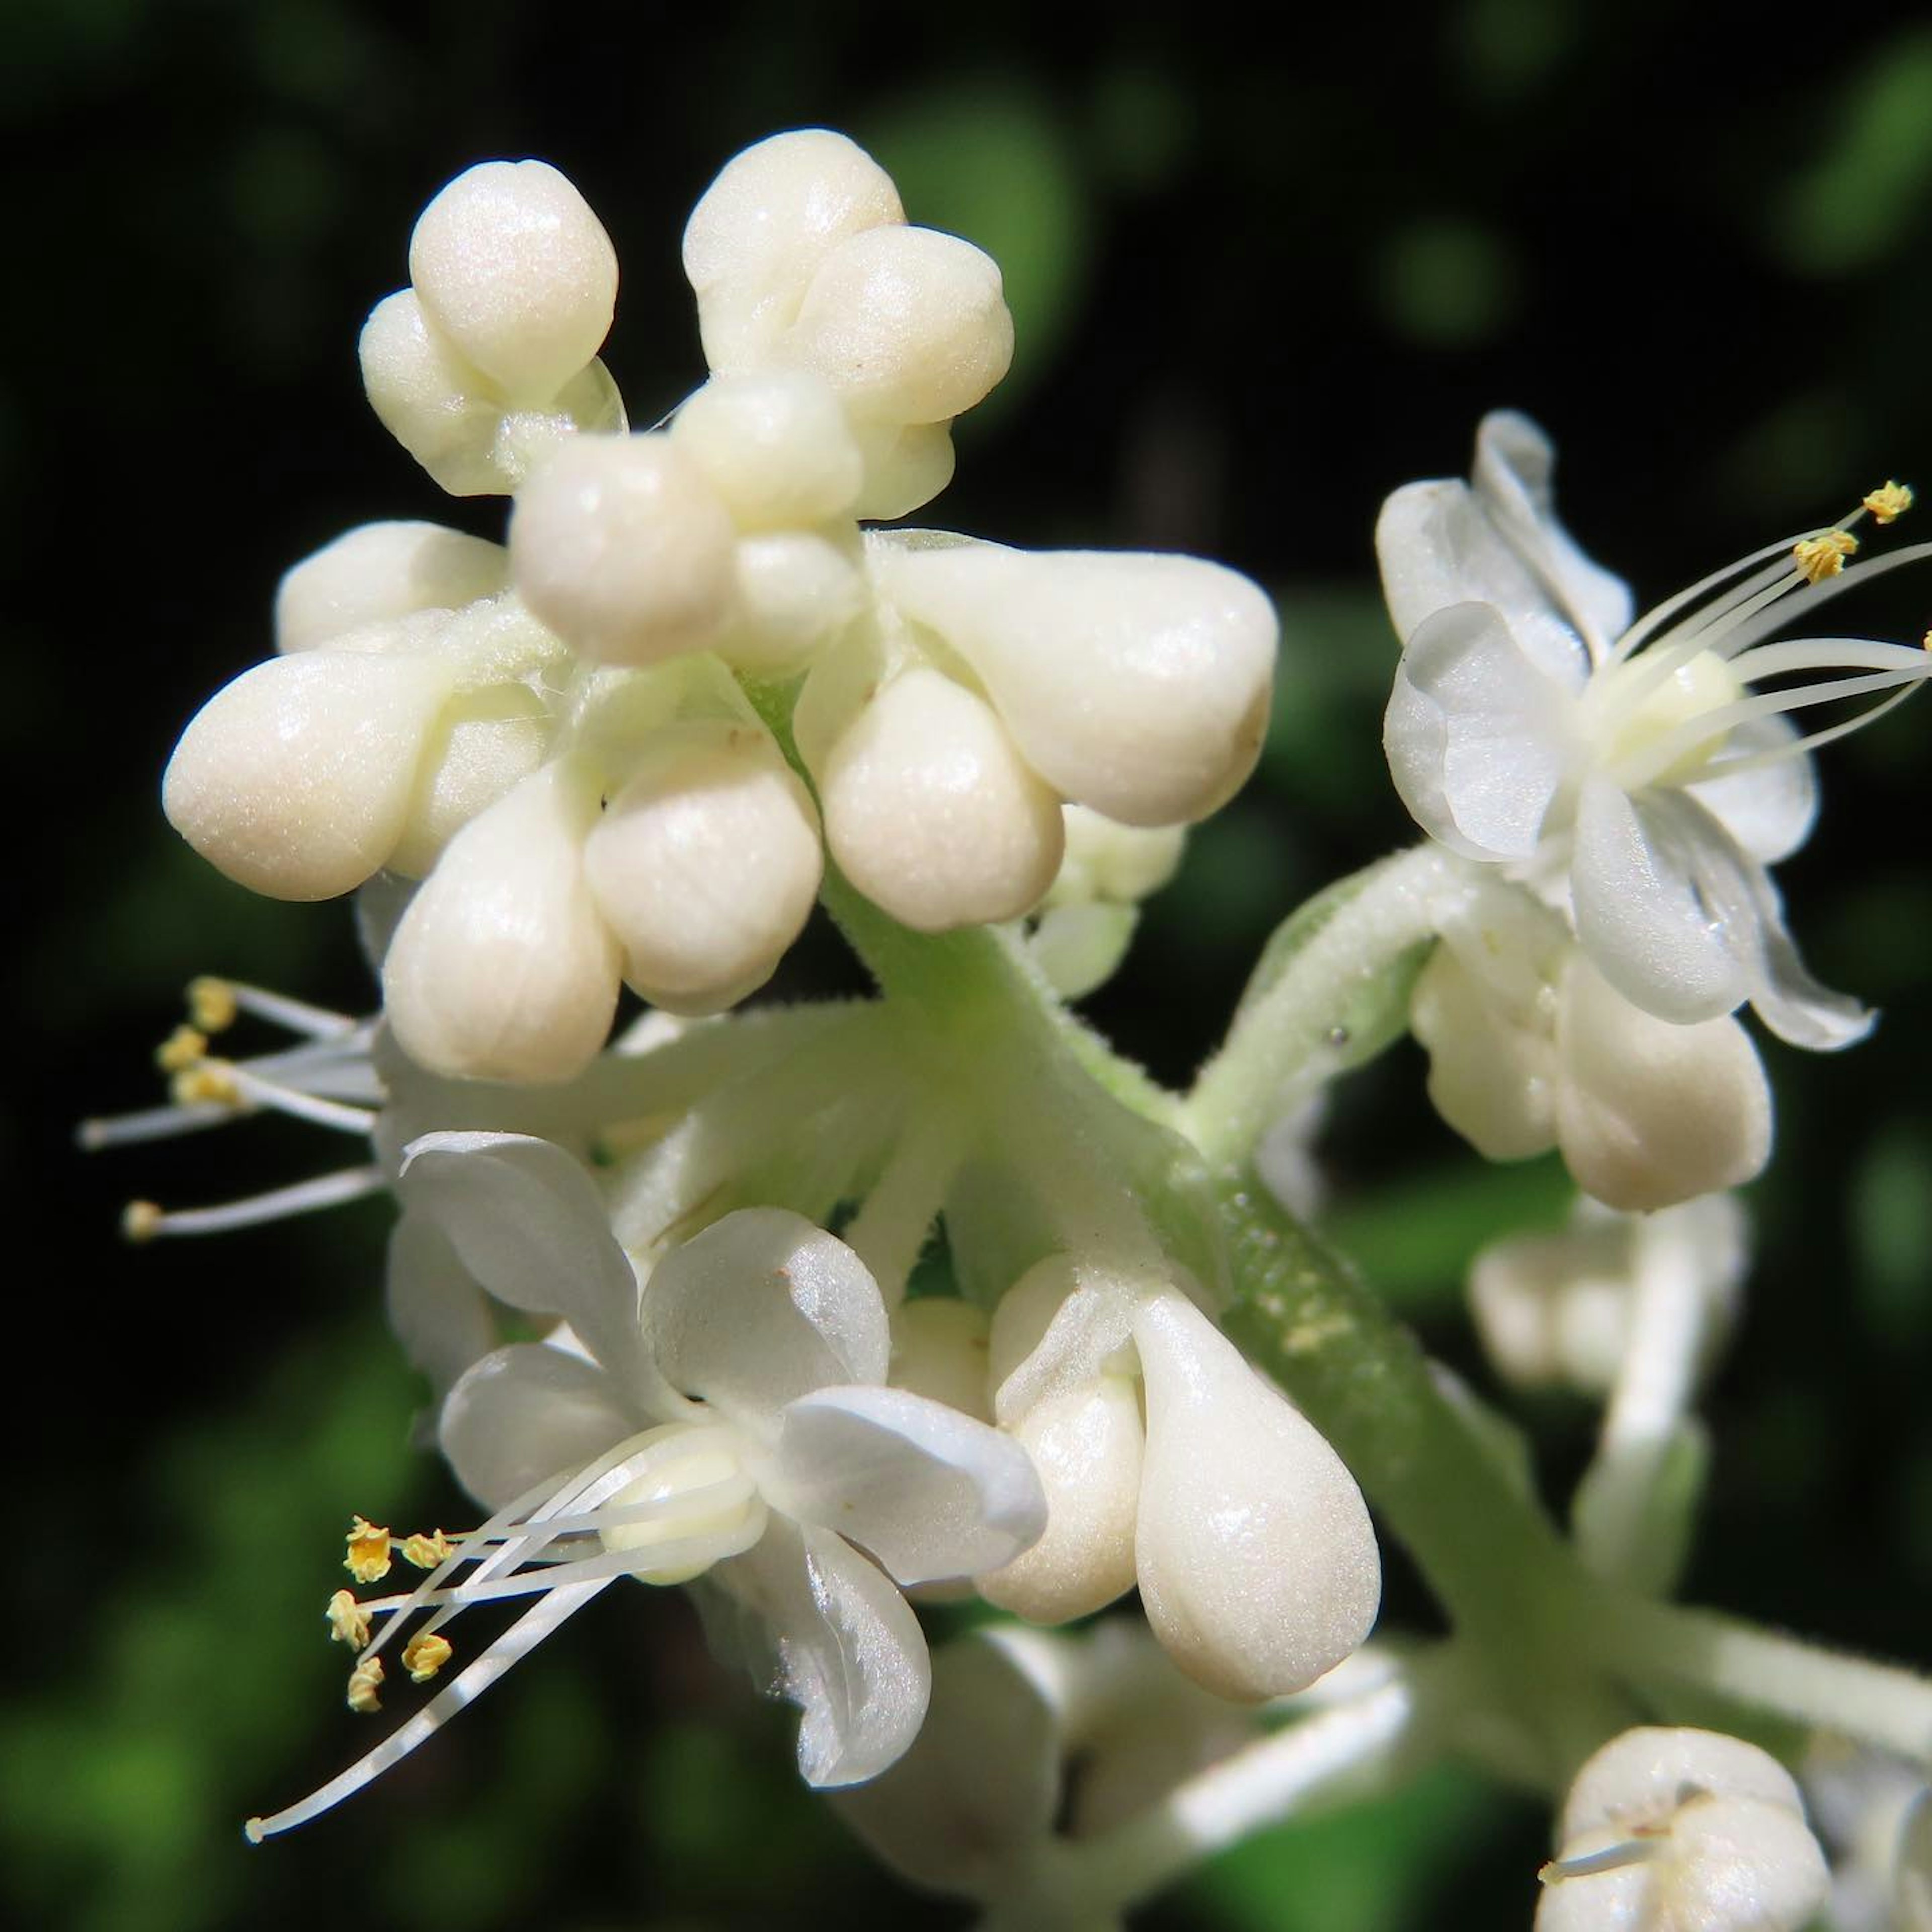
{"points": [[1253, 291]]}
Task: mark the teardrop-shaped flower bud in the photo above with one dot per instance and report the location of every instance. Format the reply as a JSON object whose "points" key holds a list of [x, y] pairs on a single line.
{"points": [[906, 325], [622, 546], [939, 1350], [906, 465], [1134, 683], [1492, 1064], [1086, 1445], [707, 865], [1258, 1565], [485, 743], [503, 967], [775, 447], [932, 813], [296, 779], [796, 591], [513, 267], [381, 571], [763, 226]]}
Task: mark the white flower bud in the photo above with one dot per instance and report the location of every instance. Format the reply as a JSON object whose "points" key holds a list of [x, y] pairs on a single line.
{"points": [[1647, 1113], [503, 968], [296, 779], [1136, 684], [1492, 1071], [1121, 863], [451, 418], [378, 571], [906, 465], [485, 743], [1258, 1565], [623, 548], [907, 325], [939, 1350], [775, 446], [512, 267], [932, 813], [796, 591], [1682, 1831], [1087, 1445], [1026, 1312], [706, 865], [762, 228]]}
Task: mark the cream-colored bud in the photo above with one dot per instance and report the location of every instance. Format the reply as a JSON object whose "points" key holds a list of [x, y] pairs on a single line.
{"points": [[1648, 1114], [939, 1350], [1492, 1065], [707, 865], [796, 591], [1026, 1312], [512, 267], [932, 813], [378, 571], [1257, 1565], [762, 228], [624, 549], [1136, 684], [907, 325], [1123, 863], [485, 743], [775, 446], [502, 967], [296, 779], [906, 465], [1087, 1445]]}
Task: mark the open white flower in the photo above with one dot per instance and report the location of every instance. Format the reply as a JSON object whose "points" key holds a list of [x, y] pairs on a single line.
{"points": [[1624, 768], [1682, 1831], [729, 1418]]}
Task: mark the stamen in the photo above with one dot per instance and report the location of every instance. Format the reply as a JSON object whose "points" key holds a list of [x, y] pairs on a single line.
{"points": [[1820, 557], [212, 1003], [364, 1683], [348, 1621], [424, 1655], [207, 1083], [1635, 1851], [181, 1050], [368, 1560], [142, 1220], [427, 1552], [251, 1086], [1889, 501]]}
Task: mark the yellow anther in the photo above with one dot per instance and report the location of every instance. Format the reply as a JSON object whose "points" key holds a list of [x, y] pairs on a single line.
{"points": [[206, 1080], [183, 1048], [364, 1682], [348, 1621], [1820, 557], [368, 1558], [424, 1656], [140, 1221], [1889, 500], [427, 1552], [210, 1003]]}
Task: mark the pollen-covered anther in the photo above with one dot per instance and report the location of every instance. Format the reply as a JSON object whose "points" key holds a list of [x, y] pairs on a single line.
{"points": [[1822, 556], [365, 1683], [1889, 501], [183, 1048], [206, 1082], [348, 1621], [426, 1553], [212, 1004], [368, 1560], [424, 1655]]}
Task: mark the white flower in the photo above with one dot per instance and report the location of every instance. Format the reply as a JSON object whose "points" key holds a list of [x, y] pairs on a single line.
{"points": [[727, 1418], [1682, 1831], [1623, 767]]}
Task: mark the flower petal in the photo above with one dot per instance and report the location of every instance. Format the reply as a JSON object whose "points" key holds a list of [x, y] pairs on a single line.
{"points": [[830, 1632], [1478, 738], [529, 1224], [1641, 911], [1769, 812], [928, 1492], [761, 1308], [440, 1314], [525, 1413]]}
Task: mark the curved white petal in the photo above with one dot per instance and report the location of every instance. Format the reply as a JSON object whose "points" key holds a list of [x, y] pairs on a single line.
{"points": [[1515, 462], [438, 1311], [1641, 912], [524, 1415], [1769, 812], [529, 1224], [928, 1492], [1478, 738], [761, 1308], [839, 1641]]}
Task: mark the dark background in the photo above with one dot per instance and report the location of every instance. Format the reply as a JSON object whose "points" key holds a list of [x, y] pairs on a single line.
{"points": [[1255, 286]]}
